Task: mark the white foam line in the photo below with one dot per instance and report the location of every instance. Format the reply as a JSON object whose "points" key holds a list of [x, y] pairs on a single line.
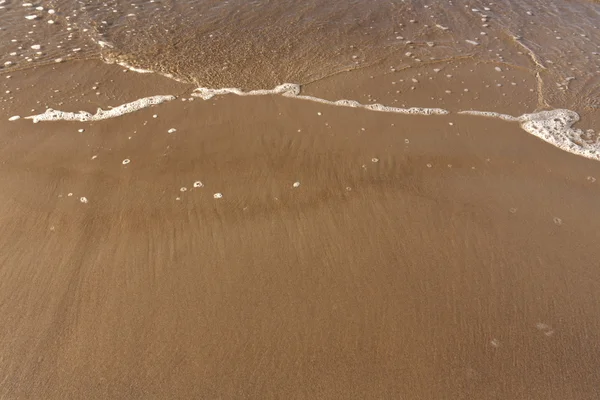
{"points": [[293, 90], [490, 114], [287, 89], [83, 116], [554, 127]]}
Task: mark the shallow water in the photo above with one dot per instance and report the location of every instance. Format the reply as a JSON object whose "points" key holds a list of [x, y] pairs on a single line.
{"points": [[260, 44]]}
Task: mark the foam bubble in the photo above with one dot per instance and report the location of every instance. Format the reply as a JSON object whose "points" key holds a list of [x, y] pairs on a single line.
{"points": [[557, 221], [14, 118], [83, 116], [347, 103]]}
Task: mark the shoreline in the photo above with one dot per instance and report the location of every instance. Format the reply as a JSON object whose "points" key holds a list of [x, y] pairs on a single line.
{"points": [[447, 257], [552, 126]]}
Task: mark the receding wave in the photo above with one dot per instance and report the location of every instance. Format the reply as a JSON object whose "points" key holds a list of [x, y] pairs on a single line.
{"points": [[552, 126]]}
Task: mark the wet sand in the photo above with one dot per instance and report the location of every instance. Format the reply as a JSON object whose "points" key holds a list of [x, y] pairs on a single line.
{"points": [[416, 259]]}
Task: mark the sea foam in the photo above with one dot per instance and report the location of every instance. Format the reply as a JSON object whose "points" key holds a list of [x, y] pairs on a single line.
{"points": [[293, 90], [554, 127], [84, 116]]}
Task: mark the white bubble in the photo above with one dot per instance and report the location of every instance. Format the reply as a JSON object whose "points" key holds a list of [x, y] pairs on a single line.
{"points": [[14, 118], [218, 195], [83, 200], [198, 184], [374, 159], [296, 184], [126, 161], [557, 221], [183, 189], [542, 326], [172, 130]]}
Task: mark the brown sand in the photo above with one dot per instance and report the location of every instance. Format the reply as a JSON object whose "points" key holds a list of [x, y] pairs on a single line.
{"points": [[379, 277]]}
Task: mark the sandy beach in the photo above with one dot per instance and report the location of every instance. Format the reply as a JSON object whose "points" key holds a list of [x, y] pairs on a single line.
{"points": [[351, 254]]}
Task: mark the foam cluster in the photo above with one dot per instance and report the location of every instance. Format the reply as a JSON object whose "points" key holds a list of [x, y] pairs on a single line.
{"points": [[556, 128], [293, 90], [83, 116]]}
